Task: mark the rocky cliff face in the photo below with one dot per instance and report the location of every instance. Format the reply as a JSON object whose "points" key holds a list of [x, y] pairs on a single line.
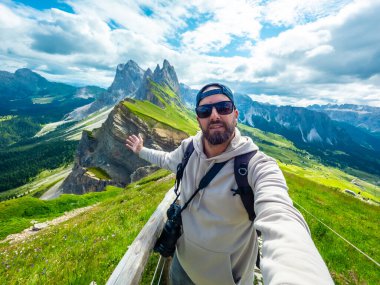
{"points": [[128, 79], [165, 76], [105, 149]]}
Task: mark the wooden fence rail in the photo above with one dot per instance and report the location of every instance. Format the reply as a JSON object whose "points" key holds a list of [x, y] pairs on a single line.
{"points": [[131, 266]]}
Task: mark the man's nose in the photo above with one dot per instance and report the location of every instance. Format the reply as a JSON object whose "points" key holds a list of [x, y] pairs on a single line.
{"points": [[214, 114]]}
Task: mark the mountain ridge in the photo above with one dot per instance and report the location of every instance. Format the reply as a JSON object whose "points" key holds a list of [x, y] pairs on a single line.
{"points": [[104, 148]]}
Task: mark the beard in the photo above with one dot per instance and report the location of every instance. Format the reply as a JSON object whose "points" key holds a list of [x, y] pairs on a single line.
{"points": [[218, 137]]}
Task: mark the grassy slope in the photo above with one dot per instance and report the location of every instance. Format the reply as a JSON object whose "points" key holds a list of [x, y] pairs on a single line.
{"points": [[172, 114], [17, 214], [355, 221], [88, 247]]}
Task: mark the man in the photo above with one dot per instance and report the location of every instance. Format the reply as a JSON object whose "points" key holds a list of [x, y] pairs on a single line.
{"points": [[219, 242]]}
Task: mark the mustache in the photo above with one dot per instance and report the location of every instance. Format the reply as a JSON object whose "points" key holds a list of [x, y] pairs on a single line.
{"points": [[217, 122]]}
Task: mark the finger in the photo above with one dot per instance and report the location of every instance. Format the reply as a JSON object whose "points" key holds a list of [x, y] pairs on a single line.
{"points": [[135, 138], [129, 140], [140, 137]]}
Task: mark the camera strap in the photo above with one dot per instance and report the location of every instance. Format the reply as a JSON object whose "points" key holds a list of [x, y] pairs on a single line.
{"points": [[206, 180]]}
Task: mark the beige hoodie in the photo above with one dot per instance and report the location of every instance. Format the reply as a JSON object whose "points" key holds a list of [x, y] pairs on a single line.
{"points": [[219, 243]]}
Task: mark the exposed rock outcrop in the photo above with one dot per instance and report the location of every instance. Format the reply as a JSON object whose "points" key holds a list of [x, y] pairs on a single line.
{"points": [[165, 76], [105, 149], [128, 79]]}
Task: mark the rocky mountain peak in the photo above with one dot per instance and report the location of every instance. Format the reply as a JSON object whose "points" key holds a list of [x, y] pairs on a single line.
{"points": [[167, 75], [148, 74], [166, 64], [157, 71], [127, 80]]}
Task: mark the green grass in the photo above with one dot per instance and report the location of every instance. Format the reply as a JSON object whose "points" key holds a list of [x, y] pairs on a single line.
{"points": [[17, 214], [167, 116], [174, 114], [88, 247], [356, 221], [7, 118], [99, 173], [42, 100]]}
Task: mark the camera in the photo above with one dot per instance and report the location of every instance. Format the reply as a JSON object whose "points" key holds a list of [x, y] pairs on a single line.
{"points": [[165, 244]]}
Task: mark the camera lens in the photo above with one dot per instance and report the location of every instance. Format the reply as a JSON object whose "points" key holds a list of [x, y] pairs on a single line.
{"points": [[165, 244]]}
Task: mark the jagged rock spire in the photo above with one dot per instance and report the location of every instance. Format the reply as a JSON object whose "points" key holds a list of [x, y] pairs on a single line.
{"points": [[127, 79], [165, 76]]}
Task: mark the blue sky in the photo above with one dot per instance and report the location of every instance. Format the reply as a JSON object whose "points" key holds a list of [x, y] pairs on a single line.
{"points": [[281, 51]]}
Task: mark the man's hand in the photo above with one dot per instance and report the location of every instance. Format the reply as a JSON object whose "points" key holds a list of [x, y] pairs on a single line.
{"points": [[135, 143]]}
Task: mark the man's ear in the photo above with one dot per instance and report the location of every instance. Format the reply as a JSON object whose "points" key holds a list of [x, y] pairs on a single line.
{"points": [[236, 114]]}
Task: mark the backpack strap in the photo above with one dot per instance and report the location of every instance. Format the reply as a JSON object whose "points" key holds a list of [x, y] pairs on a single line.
{"points": [[181, 166], [241, 176], [244, 189]]}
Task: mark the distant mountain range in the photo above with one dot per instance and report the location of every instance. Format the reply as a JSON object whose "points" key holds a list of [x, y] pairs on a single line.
{"points": [[364, 117], [344, 136], [337, 143], [26, 93]]}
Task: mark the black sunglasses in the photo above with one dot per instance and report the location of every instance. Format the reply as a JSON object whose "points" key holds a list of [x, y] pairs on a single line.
{"points": [[223, 108]]}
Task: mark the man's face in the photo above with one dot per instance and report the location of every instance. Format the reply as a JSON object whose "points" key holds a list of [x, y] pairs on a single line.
{"points": [[216, 128]]}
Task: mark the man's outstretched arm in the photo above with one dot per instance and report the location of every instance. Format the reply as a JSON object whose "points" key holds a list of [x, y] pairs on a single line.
{"points": [[167, 160], [289, 253]]}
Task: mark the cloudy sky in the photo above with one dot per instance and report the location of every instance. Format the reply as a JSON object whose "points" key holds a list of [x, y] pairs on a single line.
{"points": [[294, 52]]}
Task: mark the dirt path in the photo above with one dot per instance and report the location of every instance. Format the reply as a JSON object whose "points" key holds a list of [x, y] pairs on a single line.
{"points": [[13, 238]]}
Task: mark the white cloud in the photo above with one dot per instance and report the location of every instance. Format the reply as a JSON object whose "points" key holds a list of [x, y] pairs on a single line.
{"points": [[229, 19], [320, 50], [294, 12], [329, 52]]}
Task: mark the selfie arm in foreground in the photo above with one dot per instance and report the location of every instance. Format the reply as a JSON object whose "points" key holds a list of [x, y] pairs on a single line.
{"points": [[289, 254]]}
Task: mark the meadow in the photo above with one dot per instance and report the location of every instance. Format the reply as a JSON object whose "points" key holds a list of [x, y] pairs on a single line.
{"points": [[88, 247]]}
